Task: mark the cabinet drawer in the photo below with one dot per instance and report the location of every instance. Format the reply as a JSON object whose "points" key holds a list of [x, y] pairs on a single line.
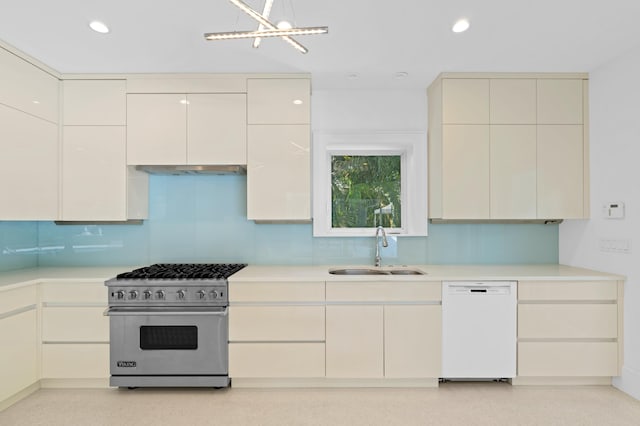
{"points": [[567, 290], [64, 324], [383, 292], [276, 292], [18, 353], [75, 361], [276, 323], [276, 360], [17, 298], [568, 321], [87, 292], [567, 359]]}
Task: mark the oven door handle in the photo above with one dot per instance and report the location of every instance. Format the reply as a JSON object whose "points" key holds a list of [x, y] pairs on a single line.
{"points": [[111, 312]]}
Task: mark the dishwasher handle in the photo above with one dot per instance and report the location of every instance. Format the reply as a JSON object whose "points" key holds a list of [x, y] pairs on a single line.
{"points": [[481, 290]]}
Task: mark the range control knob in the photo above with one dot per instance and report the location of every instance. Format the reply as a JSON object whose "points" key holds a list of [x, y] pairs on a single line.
{"points": [[201, 294], [119, 294], [181, 294], [133, 294], [214, 294], [160, 294], [147, 295]]}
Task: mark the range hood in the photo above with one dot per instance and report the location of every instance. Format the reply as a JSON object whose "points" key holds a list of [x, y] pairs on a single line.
{"points": [[220, 169]]}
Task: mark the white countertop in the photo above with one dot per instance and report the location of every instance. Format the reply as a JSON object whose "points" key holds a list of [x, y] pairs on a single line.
{"points": [[553, 272], [258, 273]]}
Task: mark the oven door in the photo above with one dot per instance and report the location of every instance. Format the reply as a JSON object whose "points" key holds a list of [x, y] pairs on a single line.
{"points": [[168, 341]]}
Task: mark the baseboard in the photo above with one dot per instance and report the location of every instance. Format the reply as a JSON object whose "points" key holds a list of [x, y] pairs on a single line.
{"points": [[561, 381], [629, 382], [333, 383], [75, 383], [18, 396]]}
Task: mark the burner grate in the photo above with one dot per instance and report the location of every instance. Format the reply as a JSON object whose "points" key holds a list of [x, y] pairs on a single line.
{"points": [[183, 271]]}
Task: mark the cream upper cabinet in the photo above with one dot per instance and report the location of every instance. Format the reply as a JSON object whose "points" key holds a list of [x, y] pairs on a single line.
{"points": [[465, 172], [560, 101], [28, 157], [560, 171], [465, 101], [512, 101], [217, 129], [94, 102], [96, 182], [279, 173], [156, 129], [198, 129], [535, 164], [513, 172], [279, 101], [25, 87]]}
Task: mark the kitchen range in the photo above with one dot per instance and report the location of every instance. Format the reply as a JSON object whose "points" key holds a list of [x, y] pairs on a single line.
{"points": [[169, 325]]}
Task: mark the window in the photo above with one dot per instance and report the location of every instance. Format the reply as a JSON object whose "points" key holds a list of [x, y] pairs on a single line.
{"points": [[365, 180]]}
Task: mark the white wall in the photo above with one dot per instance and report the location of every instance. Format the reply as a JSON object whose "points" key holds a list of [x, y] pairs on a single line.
{"points": [[615, 176], [354, 110]]}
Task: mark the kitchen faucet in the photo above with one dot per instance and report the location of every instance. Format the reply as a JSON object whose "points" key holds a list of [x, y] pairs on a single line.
{"points": [[378, 259]]}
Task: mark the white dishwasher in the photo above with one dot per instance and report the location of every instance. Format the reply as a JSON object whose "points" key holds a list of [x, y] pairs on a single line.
{"points": [[478, 329]]}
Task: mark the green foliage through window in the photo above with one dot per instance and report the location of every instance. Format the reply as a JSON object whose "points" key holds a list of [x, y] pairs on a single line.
{"points": [[366, 191]]}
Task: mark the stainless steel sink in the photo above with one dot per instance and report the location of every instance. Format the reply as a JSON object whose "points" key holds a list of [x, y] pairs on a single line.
{"points": [[375, 271]]}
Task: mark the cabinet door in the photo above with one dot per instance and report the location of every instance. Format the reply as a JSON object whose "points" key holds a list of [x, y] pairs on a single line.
{"points": [[217, 129], [465, 101], [513, 101], [513, 172], [279, 173], [465, 172], [18, 363], [94, 102], [28, 167], [354, 341], [279, 101], [27, 88], [156, 129], [560, 101], [412, 341], [560, 172], [94, 176]]}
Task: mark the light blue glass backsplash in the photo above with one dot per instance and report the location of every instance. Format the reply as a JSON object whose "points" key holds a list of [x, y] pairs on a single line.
{"points": [[18, 245], [203, 219]]}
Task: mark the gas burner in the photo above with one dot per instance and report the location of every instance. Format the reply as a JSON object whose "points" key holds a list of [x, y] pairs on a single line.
{"points": [[183, 271]]}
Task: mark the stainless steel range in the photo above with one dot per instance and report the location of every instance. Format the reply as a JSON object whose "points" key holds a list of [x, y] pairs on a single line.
{"points": [[169, 325]]}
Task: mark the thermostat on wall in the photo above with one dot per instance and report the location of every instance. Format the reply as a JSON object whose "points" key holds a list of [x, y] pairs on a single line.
{"points": [[613, 210]]}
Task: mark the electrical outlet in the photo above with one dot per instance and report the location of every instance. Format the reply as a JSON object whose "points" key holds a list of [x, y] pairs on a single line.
{"points": [[610, 245]]}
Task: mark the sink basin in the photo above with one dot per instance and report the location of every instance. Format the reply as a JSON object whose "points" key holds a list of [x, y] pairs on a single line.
{"points": [[375, 271], [357, 271]]}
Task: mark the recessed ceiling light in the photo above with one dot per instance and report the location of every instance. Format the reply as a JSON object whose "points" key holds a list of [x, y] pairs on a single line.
{"points": [[36, 102], [461, 25], [184, 102], [98, 27], [353, 76], [400, 75], [297, 101]]}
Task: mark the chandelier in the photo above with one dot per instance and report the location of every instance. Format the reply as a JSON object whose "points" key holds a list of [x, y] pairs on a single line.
{"points": [[266, 28]]}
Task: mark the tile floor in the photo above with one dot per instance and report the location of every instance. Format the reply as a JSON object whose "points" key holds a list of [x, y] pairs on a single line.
{"points": [[451, 404]]}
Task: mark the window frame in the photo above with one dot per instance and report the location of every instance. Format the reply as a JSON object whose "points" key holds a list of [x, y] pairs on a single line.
{"points": [[411, 146]]}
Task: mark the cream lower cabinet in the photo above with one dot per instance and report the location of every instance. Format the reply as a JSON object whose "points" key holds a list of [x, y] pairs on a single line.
{"points": [[569, 329], [276, 330], [75, 333], [19, 337], [398, 337]]}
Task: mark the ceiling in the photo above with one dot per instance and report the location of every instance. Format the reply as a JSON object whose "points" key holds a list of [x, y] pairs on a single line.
{"points": [[373, 39]]}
